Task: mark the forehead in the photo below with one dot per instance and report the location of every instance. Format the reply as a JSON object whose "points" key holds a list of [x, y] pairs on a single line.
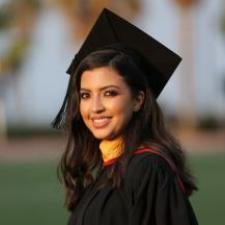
{"points": [[100, 77]]}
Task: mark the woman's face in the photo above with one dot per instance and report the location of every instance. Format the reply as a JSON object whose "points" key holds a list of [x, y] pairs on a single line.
{"points": [[106, 102]]}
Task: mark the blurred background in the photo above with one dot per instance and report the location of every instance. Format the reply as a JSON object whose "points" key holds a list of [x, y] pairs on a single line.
{"points": [[38, 39]]}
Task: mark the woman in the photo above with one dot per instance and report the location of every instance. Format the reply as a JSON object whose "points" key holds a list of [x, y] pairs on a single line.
{"points": [[121, 165]]}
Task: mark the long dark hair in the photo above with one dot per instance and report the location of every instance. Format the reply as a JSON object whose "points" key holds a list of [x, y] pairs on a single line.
{"points": [[82, 157]]}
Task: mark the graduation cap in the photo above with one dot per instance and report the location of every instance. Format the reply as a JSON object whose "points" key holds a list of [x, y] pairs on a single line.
{"points": [[112, 30]]}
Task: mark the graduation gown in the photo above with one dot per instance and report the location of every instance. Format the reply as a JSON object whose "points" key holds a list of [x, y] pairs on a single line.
{"points": [[151, 195]]}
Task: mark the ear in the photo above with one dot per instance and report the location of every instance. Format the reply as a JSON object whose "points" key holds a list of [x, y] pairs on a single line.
{"points": [[139, 99]]}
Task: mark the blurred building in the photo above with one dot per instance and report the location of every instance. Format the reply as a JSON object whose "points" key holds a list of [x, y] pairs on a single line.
{"points": [[34, 95]]}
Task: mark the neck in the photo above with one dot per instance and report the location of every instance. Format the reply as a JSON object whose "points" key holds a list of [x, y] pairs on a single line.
{"points": [[111, 149]]}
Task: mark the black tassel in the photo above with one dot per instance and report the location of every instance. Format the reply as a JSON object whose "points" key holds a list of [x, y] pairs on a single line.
{"points": [[59, 121]]}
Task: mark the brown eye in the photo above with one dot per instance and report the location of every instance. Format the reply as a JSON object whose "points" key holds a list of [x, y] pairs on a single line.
{"points": [[111, 93], [84, 95]]}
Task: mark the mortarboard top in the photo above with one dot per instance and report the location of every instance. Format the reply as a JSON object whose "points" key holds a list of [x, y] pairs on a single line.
{"points": [[110, 29]]}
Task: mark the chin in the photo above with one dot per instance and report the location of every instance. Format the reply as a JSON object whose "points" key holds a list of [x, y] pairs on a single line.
{"points": [[104, 136]]}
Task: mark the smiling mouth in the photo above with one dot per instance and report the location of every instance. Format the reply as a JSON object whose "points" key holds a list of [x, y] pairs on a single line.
{"points": [[100, 122]]}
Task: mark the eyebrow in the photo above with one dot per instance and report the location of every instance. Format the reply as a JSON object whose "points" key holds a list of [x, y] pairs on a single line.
{"points": [[102, 88]]}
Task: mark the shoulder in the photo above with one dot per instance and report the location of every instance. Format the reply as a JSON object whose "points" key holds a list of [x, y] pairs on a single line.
{"points": [[149, 162], [148, 169]]}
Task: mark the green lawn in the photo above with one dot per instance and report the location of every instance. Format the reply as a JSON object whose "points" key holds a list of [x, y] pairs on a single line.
{"points": [[30, 193], [209, 201]]}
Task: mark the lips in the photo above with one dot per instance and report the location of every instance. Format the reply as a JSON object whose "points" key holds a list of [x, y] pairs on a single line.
{"points": [[100, 122]]}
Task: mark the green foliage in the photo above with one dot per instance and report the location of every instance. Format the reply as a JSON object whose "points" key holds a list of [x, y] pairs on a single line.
{"points": [[26, 132], [36, 4], [11, 10], [4, 18], [210, 122], [17, 15], [16, 54]]}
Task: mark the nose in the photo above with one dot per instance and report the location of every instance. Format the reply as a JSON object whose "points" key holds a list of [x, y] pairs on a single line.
{"points": [[97, 105]]}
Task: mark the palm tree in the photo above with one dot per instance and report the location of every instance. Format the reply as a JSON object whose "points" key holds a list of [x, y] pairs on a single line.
{"points": [[16, 23]]}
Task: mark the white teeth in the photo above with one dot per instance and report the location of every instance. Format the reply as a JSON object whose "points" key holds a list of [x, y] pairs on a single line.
{"points": [[100, 121]]}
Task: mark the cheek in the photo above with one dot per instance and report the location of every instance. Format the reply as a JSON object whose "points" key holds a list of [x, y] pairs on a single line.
{"points": [[83, 110], [128, 113], [124, 112]]}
